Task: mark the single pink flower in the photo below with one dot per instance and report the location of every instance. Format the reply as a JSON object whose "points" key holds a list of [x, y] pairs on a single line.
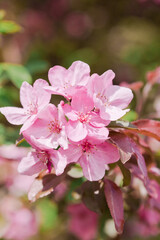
{"points": [[83, 121], [33, 99], [39, 160], [147, 223], [22, 225], [109, 99], [92, 155], [65, 81], [48, 130], [83, 222]]}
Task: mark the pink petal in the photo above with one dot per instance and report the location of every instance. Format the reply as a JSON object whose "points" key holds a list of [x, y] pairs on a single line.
{"points": [[43, 97], [80, 73], [57, 75], [97, 121], [59, 161], [93, 169], [61, 113], [119, 96], [57, 91], [28, 123], [48, 113], [38, 129], [26, 94], [112, 113], [82, 102], [108, 152], [114, 199], [30, 165], [73, 153], [69, 112], [100, 83], [40, 143], [14, 115], [72, 115], [76, 131], [98, 133]]}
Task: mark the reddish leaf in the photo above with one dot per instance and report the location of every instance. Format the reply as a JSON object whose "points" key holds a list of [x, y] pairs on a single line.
{"points": [[149, 185], [114, 200], [128, 147], [122, 142], [93, 196], [148, 127]]}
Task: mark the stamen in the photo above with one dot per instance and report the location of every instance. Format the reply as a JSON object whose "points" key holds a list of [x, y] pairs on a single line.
{"points": [[84, 117], [54, 127]]}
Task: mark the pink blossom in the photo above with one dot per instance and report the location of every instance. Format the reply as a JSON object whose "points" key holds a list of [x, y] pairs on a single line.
{"points": [[19, 222], [83, 222], [48, 130], [10, 155], [65, 81], [33, 99], [109, 99], [147, 223], [22, 225], [82, 120], [39, 160], [93, 156]]}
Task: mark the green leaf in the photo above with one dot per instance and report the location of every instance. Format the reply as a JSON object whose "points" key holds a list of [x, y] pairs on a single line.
{"points": [[2, 14], [37, 66], [130, 116], [16, 73], [8, 95], [49, 214], [7, 26]]}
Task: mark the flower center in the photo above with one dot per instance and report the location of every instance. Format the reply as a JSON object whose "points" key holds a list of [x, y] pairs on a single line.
{"points": [[84, 117], [43, 156], [66, 85], [103, 98], [32, 109], [87, 147], [54, 127]]}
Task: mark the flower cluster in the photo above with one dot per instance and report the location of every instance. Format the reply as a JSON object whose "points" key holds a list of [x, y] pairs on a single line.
{"points": [[75, 131]]}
